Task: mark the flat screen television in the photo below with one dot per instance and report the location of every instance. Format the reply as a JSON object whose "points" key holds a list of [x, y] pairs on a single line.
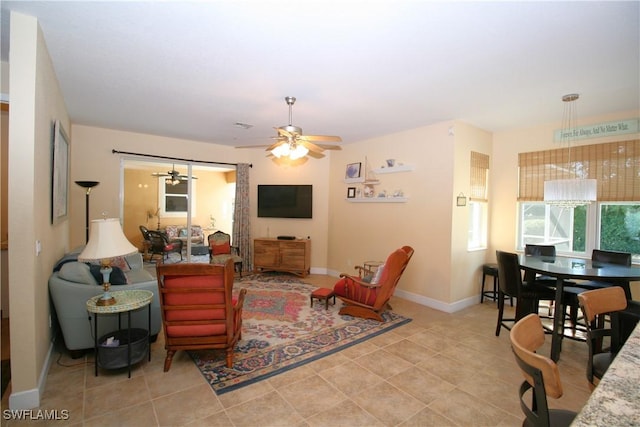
{"points": [[285, 201]]}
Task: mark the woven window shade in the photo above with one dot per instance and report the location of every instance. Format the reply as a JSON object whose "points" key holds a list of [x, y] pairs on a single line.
{"points": [[616, 166], [479, 176]]}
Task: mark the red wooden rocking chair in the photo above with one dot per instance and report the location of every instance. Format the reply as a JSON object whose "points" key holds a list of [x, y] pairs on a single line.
{"points": [[370, 299]]}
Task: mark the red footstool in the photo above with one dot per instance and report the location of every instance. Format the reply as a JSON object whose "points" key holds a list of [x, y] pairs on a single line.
{"points": [[323, 294]]}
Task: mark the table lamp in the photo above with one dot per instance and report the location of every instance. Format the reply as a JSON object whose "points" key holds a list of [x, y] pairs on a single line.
{"points": [[106, 241]]}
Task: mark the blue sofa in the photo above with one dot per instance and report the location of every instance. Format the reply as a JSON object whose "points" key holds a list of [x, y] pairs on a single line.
{"points": [[72, 284]]}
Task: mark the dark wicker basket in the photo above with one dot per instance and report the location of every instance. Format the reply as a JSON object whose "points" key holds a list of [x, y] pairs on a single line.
{"points": [[117, 357]]}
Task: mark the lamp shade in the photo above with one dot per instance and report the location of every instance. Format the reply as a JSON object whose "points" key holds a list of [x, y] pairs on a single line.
{"points": [[106, 240], [570, 193]]}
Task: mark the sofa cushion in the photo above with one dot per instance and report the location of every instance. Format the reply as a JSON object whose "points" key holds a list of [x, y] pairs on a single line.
{"points": [[117, 276], [77, 272]]}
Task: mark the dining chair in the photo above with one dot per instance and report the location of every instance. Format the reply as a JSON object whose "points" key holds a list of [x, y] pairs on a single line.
{"points": [[571, 293], [608, 257], [540, 251], [510, 283], [541, 375], [596, 304]]}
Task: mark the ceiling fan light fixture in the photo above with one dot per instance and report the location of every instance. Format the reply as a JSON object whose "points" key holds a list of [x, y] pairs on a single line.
{"points": [[298, 152], [281, 150]]}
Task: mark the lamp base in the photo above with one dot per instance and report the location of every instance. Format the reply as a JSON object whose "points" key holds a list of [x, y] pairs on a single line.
{"points": [[106, 301]]}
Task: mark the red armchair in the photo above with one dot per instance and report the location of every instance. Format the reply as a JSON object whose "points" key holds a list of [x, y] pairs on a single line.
{"points": [[198, 311], [370, 299]]}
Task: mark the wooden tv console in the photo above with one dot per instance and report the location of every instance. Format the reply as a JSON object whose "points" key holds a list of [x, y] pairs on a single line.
{"points": [[291, 256]]}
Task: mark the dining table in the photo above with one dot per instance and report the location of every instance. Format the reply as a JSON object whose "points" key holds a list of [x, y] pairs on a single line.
{"points": [[566, 268], [616, 399]]}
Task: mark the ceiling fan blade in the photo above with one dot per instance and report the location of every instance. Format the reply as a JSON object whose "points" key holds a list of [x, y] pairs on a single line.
{"points": [[324, 138], [277, 144], [254, 146], [330, 147], [311, 146], [315, 155], [283, 132]]}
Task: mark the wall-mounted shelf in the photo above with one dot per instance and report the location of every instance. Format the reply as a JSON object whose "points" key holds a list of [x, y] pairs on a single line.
{"points": [[378, 200], [395, 169], [359, 180]]}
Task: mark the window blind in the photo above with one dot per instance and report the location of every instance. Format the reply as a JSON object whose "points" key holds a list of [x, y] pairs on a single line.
{"points": [[615, 165], [479, 176]]}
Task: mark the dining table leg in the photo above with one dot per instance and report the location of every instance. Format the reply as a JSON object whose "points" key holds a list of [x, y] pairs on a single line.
{"points": [[558, 322]]}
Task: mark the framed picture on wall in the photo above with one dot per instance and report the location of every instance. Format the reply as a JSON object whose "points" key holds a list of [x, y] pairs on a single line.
{"points": [[59, 174], [351, 192], [353, 170]]}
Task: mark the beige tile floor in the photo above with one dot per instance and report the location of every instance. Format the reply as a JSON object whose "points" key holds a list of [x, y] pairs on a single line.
{"points": [[440, 369]]}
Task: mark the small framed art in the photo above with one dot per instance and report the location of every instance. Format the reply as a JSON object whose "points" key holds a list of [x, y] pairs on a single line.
{"points": [[351, 192], [353, 170], [59, 174]]}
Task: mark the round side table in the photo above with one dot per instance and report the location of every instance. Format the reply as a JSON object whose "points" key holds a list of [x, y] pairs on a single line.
{"points": [[126, 302]]}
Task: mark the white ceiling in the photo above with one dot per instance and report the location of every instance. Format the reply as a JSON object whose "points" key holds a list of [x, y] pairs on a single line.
{"points": [[358, 68]]}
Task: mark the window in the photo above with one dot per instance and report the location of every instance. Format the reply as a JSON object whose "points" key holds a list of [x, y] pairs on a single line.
{"points": [[478, 202], [176, 198], [619, 228], [613, 223], [552, 225]]}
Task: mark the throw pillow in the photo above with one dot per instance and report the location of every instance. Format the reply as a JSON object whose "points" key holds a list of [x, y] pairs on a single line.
{"points": [[221, 249], [183, 232], [121, 263], [117, 276], [77, 272], [377, 276]]}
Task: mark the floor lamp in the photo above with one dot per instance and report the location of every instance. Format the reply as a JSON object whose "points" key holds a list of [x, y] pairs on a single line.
{"points": [[88, 185]]}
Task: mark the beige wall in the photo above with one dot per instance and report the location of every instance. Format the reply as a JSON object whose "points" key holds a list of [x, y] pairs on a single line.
{"points": [[442, 273], [504, 172], [35, 105], [93, 160]]}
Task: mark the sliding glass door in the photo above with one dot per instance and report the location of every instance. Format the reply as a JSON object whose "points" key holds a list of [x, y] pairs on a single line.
{"points": [[186, 202]]}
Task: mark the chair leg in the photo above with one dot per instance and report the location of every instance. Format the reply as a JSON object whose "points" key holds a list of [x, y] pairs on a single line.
{"points": [[484, 276], [500, 312], [168, 360], [230, 357]]}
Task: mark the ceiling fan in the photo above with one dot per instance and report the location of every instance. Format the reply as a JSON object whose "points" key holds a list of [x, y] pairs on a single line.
{"points": [[293, 144], [173, 176]]}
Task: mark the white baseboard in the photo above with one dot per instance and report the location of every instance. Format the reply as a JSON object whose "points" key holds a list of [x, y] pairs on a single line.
{"points": [[438, 305], [30, 399], [425, 301]]}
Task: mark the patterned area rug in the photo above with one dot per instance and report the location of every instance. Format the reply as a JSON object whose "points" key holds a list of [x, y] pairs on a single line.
{"points": [[281, 331]]}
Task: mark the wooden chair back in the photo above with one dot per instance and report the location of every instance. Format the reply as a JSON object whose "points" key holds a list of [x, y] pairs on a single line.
{"points": [[197, 307], [394, 266], [540, 374], [595, 304], [602, 301]]}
